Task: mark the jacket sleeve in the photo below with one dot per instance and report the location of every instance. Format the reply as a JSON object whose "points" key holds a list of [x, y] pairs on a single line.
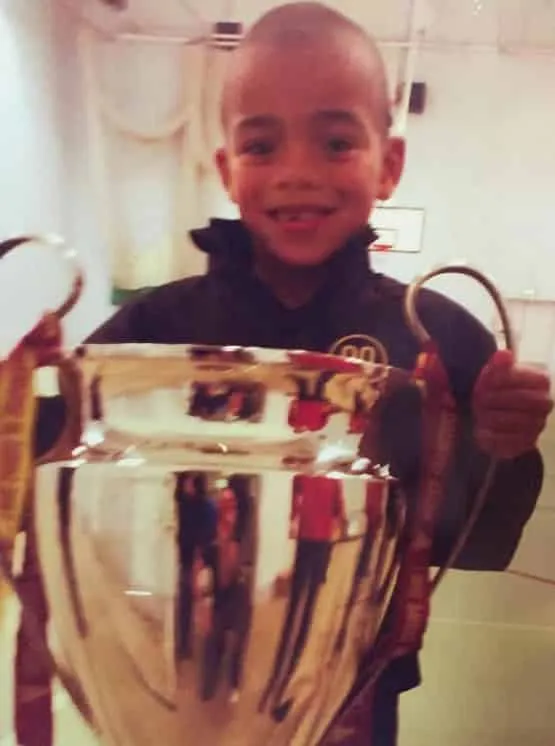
{"points": [[513, 495], [509, 504], [128, 324]]}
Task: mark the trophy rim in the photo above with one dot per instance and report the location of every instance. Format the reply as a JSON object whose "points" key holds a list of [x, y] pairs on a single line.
{"points": [[237, 352]]}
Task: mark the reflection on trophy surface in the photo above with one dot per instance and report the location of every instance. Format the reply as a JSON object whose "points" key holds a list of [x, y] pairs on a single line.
{"points": [[235, 542], [218, 564]]}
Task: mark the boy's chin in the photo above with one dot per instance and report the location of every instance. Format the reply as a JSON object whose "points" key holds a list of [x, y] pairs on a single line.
{"points": [[298, 256]]}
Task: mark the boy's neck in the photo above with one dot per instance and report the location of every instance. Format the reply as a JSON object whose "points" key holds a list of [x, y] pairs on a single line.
{"points": [[292, 286]]}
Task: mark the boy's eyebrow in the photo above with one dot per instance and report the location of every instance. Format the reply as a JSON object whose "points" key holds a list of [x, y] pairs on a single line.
{"points": [[326, 115], [340, 116], [257, 121]]}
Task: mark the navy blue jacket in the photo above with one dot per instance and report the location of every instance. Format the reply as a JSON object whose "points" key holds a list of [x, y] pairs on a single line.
{"points": [[229, 305]]}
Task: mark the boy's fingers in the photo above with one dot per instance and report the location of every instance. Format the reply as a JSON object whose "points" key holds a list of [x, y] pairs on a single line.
{"points": [[514, 400], [521, 377], [501, 371], [516, 422]]}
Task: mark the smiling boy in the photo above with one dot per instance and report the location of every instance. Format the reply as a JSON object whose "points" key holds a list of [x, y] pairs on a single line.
{"points": [[307, 154]]}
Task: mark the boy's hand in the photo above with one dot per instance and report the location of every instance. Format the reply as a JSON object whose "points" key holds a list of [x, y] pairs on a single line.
{"points": [[511, 404]]}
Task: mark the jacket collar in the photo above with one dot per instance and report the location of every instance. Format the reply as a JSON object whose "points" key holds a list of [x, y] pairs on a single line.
{"points": [[228, 245]]}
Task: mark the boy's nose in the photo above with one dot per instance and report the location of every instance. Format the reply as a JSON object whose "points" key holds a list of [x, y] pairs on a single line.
{"points": [[298, 169]]}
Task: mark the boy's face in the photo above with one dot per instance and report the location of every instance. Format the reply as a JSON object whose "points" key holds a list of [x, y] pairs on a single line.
{"points": [[306, 155]]}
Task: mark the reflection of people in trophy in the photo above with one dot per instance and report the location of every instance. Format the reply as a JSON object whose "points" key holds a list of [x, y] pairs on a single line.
{"points": [[310, 409], [196, 533], [375, 504], [235, 403], [239, 484], [231, 610], [357, 394], [208, 400], [317, 518], [359, 417], [320, 677], [228, 401]]}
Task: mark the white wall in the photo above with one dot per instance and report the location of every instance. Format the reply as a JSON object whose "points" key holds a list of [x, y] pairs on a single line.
{"points": [[30, 186], [44, 182], [82, 226], [29, 177], [481, 162]]}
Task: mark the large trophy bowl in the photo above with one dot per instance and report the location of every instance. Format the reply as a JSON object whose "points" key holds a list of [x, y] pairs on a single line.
{"points": [[227, 539], [217, 556]]}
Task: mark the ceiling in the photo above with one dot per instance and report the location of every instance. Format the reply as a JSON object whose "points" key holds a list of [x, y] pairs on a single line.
{"points": [[526, 24]]}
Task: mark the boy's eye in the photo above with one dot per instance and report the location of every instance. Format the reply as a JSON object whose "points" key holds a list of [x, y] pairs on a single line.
{"points": [[257, 147], [337, 145]]}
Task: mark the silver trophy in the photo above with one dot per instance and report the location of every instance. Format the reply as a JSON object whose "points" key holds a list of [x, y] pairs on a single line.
{"points": [[219, 552]]}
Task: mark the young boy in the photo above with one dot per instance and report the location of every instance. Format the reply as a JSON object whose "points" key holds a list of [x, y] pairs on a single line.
{"points": [[307, 153]]}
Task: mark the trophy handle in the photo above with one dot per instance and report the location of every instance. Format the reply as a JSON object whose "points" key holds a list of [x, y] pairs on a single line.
{"points": [[413, 319], [34, 638], [68, 373], [69, 381], [424, 338], [68, 255]]}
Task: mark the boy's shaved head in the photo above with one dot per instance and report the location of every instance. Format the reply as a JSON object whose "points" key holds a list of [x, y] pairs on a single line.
{"points": [[307, 149], [304, 25], [300, 22]]}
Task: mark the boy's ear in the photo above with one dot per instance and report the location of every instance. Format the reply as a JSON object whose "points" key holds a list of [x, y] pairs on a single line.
{"points": [[392, 167], [221, 160]]}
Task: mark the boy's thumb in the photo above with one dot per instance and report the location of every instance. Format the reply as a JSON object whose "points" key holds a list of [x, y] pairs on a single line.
{"points": [[500, 362]]}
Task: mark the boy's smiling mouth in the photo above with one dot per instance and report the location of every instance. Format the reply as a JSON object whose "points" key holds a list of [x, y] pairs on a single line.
{"points": [[300, 217]]}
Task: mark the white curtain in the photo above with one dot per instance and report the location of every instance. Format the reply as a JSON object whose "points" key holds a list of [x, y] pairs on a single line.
{"points": [[152, 127]]}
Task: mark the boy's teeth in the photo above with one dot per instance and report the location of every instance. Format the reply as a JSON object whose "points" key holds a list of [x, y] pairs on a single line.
{"points": [[297, 216]]}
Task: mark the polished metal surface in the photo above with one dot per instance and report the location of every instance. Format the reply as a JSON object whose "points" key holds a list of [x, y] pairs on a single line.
{"points": [[216, 555]]}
